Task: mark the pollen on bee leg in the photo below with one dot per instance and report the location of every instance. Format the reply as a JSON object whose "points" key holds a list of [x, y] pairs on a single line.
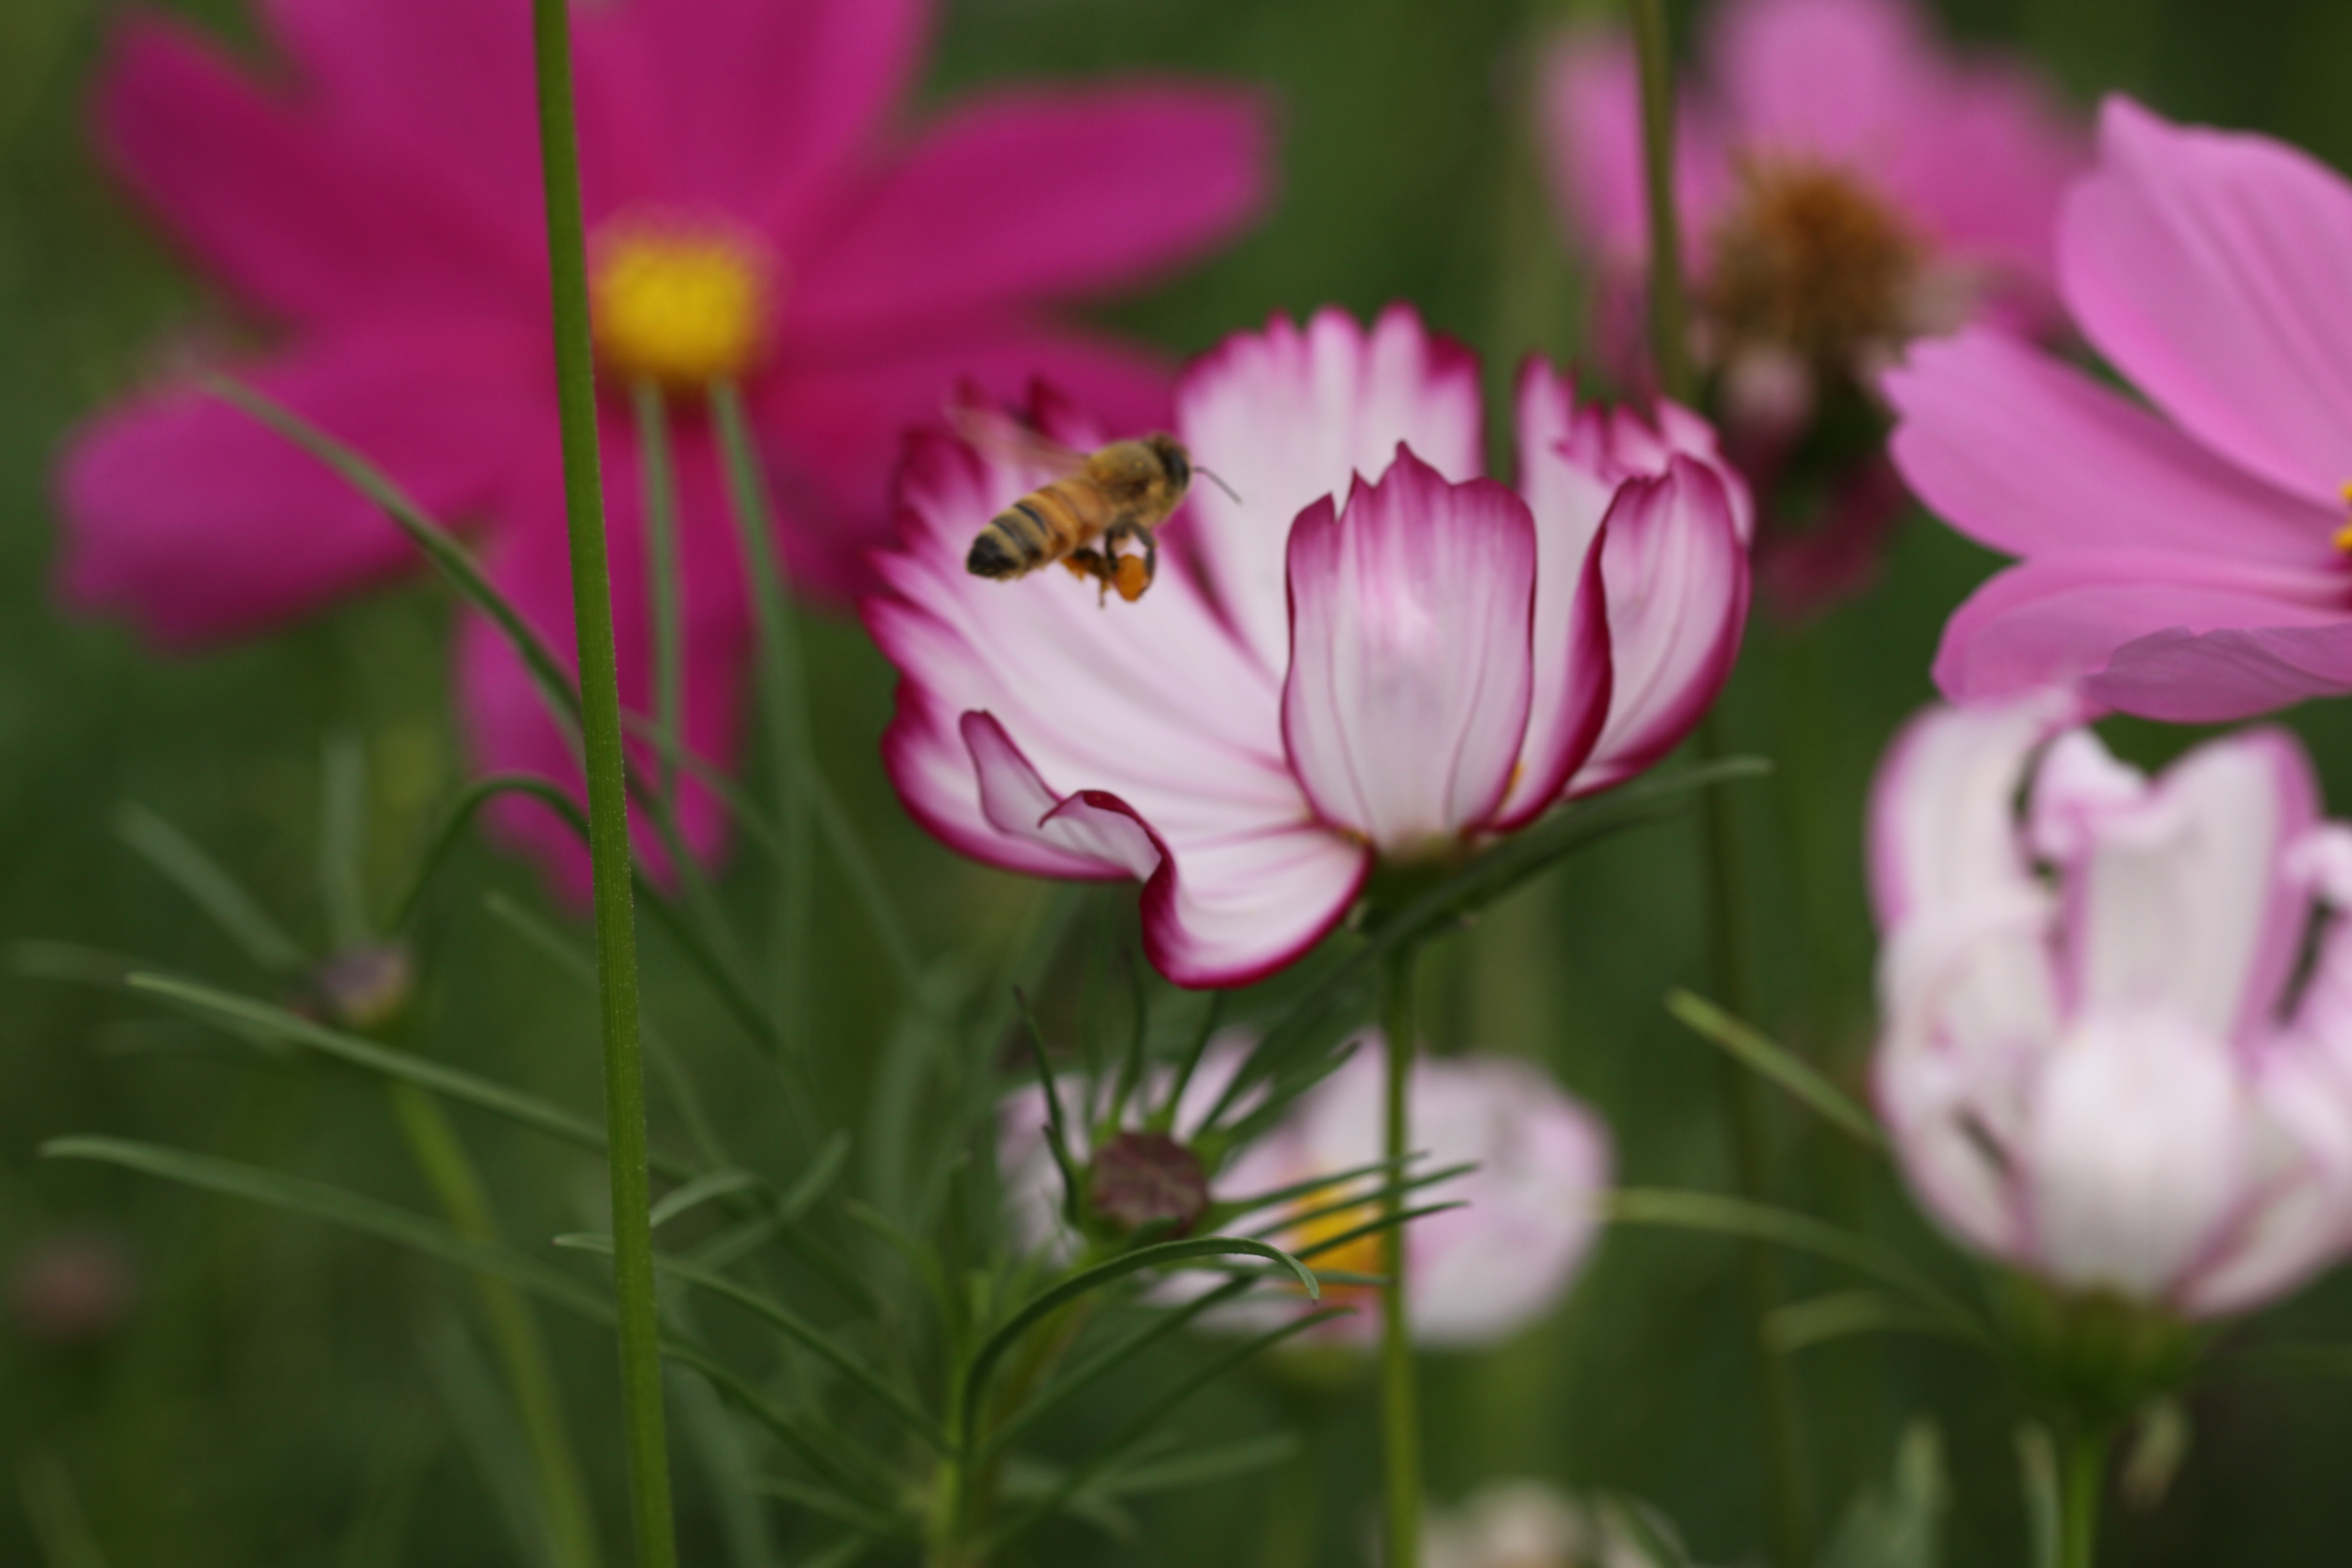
{"points": [[1131, 576]]}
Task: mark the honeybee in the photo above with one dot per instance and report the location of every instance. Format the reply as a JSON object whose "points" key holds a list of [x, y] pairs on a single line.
{"points": [[1111, 497]]}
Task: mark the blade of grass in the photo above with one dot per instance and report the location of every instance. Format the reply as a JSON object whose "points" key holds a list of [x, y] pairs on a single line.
{"points": [[1768, 1058], [212, 889]]}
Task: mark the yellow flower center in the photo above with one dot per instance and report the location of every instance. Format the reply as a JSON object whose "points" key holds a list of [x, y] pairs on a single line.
{"points": [[678, 304], [1808, 261], [2343, 535]]}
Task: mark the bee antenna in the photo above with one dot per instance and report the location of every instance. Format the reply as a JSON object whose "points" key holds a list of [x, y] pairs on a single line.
{"points": [[1211, 475]]}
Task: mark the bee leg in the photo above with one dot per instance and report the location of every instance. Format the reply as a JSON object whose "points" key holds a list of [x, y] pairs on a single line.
{"points": [[1089, 561]]}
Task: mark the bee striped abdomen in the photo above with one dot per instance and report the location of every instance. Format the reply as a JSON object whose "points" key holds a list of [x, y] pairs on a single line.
{"points": [[1040, 528]]}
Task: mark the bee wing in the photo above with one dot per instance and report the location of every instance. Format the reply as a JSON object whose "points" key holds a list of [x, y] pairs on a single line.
{"points": [[996, 434]]}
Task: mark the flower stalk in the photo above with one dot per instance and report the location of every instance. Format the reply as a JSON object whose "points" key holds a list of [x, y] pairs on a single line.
{"points": [[2082, 1486], [599, 703], [1670, 350], [1400, 1395]]}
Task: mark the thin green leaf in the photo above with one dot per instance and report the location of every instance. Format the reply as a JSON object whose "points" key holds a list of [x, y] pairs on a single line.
{"points": [[663, 602], [1163, 1255], [452, 559], [793, 1326], [1572, 827], [1084, 1373], [1200, 1466], [212, 889], [342, 840], [701, 1190], [477, 794], [1802, 1325], [1163, 1115], [72, 961], [1363, 1200], [840, 1459], [1768, 1058], [1149, 1420], [1234, 1208], [1736, 1217], [405, 1066], [866, 1520], [338, 1205]]}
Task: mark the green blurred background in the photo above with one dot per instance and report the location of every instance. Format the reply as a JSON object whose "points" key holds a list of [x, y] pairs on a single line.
{"points": [[277, 1393]]}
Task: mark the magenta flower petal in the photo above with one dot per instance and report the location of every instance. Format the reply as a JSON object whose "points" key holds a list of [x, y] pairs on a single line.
{"points": [[2187, 639], [199, 521], [1161, 175], [444, 86], [2209, 266], [284, 208], [1412, 621], [834, 423], [2027, 455], [754, 107], [1290, 415], [1845, 79], [1592, 113], [1677, 579]]}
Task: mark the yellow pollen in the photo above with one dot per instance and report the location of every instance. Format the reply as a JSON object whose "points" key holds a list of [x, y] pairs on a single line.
{"points": [[2343, 535], [1809, 260], [678, 305]]}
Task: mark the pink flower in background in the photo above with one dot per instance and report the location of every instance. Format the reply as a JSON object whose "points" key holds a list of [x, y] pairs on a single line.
{"points": [[1391, 675], [1474, 1274], [2100, 1062], [2186, 562], [1844, 183], [754, 214]]}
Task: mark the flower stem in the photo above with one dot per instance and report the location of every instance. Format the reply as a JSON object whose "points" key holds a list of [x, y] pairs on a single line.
{"points": [[783, 695], [1670, 346], [608, 810], [434, 1143], [1399, 1398], [661, 579], [2083, 1487]]}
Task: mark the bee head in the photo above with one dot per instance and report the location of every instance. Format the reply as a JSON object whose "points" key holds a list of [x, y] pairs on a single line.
{"points": [[1174, 459]]}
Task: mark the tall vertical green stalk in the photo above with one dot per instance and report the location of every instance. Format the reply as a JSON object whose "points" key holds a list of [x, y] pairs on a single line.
{"points": [[608, 801], [662, 589], [1400, 1395], [783, 695], [2082, 1487], [1728, 912]]}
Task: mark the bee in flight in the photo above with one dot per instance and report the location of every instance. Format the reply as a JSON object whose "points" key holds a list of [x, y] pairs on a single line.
{"points": [[1100, 500]]}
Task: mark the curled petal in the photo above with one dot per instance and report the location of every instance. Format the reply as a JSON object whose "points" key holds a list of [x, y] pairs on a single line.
{"points": [[2176, 895], [1943, 825], [1677, 580], [2187, 639], [1290, 415], [1410, 677]]}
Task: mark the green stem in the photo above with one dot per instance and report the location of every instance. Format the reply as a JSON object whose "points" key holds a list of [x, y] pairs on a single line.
{"points": [[433, 1143], [662, 579], [1399, 1398], [1670, 345], [2083, 1487], [1669, 315], [782, 693], [608, 801]]}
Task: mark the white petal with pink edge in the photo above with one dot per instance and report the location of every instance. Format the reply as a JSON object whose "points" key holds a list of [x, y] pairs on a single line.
{"points": [[1291, 415], [1410, 658]]}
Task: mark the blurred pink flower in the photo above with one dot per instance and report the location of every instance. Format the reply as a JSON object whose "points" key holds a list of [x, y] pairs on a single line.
{"points": [[754, 214], [2100, 1060], [1390, 679], [1844, 183], [1474, 1274], [2189, 563]]}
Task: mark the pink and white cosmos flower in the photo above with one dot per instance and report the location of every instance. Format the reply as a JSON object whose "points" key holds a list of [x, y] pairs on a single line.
{"points": [[1474, 1275], [1374, 656], [2099, 1060], [2185, 561]]}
